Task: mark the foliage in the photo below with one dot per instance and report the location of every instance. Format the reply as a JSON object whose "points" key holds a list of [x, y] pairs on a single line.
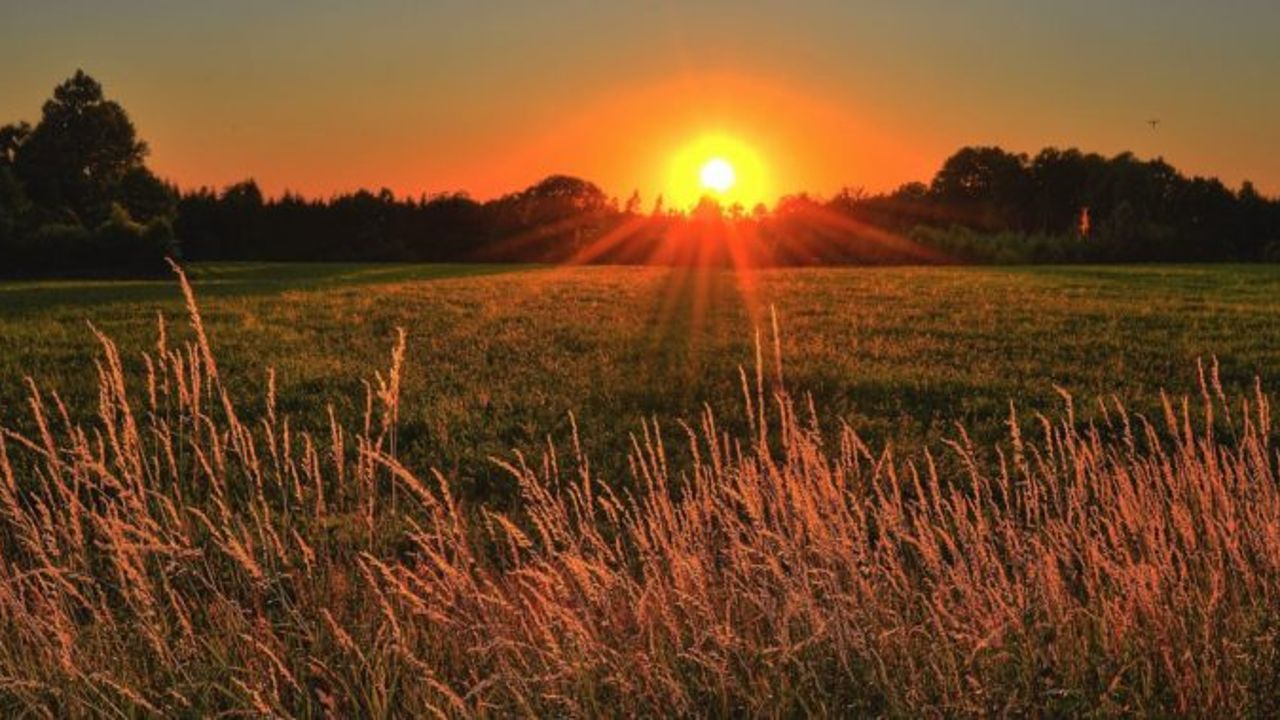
{"points": [[75, 197], [79, 153], [1007, 247], [119, 244], [1138, 210]]}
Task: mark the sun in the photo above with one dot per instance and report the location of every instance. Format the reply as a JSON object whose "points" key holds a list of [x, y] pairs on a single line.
{"points": [[717, 175], [722, 166]]}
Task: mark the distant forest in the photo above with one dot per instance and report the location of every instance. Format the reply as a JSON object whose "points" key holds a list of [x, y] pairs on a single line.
{"points": [[77, 198]]}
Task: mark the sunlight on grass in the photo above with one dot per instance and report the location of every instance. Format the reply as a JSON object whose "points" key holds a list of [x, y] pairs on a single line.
{"points": [[168, 557]]}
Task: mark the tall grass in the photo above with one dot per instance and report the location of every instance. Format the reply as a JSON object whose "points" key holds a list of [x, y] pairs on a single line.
{"points": [[168, 557]]}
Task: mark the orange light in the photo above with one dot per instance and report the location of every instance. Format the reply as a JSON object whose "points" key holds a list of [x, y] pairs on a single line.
{"points": [[721, 166], [718, 176]]}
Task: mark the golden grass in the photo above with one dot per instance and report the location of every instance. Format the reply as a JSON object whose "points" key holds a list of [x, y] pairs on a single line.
{"points": [[168, 558]]}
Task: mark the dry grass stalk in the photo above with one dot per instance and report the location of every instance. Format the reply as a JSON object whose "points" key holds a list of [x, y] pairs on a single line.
{"points": [[165, 558]]}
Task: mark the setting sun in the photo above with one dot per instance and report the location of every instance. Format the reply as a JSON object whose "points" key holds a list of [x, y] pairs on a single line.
{"points": [[717, 175], [721, 166]]}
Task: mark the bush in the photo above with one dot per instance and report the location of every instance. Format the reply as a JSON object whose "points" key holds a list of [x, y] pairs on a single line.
{"points": [[123, 244], [962, 244], [118, 247], [43, 250]]}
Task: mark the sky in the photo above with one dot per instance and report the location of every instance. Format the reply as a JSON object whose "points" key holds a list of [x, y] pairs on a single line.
{"points": [[320, 97]]}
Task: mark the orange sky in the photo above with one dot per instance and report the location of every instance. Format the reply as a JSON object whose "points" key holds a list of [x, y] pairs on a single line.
{"points": [[324, 96], [626, 139]]}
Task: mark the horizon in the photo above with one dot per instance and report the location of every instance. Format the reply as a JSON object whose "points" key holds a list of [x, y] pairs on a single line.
{"points": [[818, 94], [762, 358]]}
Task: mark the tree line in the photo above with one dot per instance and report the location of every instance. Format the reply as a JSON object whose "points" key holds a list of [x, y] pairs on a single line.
{"points": [[76, 197], [1067, 205]]}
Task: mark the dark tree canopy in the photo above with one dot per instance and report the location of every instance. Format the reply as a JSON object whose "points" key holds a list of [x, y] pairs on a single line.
{"points": [[11, 139], [81, 150], [985, 185], [570, 191], [74, 192]]}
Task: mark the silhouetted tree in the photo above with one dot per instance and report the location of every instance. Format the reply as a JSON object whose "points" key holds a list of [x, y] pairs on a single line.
{"points": [[1061, 180], [147, 197], [75, 195], [242, 220], [987, 186], [12, 137], [77, 156], [14, 204]]}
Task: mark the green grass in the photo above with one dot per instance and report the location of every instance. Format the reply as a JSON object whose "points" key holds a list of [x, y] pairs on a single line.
{"points": [[175, 556], [500, 355]]}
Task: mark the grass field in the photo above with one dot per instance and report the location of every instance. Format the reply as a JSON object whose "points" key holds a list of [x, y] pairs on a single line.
{"points": [[704, 543], [499, 356]]}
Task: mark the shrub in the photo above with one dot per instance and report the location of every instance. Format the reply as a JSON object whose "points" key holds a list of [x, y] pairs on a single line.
{"points": [[118, 247]]}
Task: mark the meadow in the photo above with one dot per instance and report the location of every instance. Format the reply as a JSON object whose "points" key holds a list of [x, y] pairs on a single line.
{"points": [[499, 356], [582, 491]]}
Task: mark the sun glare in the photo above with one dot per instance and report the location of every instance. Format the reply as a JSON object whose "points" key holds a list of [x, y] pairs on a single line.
{"points": [[717, 175], [721, 166]]}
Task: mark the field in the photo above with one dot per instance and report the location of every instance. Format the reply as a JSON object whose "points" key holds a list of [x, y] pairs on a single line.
{"points": [[499, 356], [621, 515]]}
